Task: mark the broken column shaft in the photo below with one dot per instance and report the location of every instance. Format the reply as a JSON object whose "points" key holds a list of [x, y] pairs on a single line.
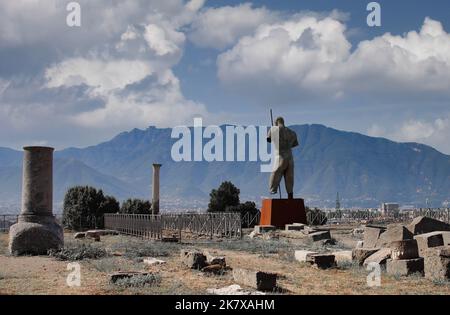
{"points": [[36, 231], [155, 189]]}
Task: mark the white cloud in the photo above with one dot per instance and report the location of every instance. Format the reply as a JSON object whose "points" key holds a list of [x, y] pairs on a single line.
{"points": [[112, 74], [308, 57], [223, 26], [434, 133], [3, 85], [102, 75], [163, 41]]}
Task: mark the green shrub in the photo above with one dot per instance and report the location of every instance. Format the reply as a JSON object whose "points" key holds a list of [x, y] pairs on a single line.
{"points": [[78, 252], [85, 206], [136, 206]]}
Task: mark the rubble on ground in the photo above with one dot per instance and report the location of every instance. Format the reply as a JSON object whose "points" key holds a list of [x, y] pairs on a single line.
{"points": [[421, 247]]}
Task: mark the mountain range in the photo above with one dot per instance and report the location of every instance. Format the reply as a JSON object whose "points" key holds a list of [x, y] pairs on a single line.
{"points": [[364, 170]]}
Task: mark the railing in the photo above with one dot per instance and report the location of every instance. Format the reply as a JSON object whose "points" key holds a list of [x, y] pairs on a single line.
{"points": [[223, 225], [141, 225], [442, 214], [249, 220], [6, 220]]}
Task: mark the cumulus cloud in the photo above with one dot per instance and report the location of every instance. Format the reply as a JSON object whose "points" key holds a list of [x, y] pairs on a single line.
{"points": [[103, 75], [223, 26], [163, 41], [112, 74], [310, 57]]}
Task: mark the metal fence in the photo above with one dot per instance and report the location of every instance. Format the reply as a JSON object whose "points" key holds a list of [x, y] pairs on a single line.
{"points": [[249, 220], [321, 217], [223, 225]]}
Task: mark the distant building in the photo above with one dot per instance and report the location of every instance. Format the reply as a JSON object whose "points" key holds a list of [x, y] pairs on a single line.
{"points": [[389, 208]]}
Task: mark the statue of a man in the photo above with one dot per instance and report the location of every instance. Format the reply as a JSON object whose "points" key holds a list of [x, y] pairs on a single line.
{"points": [[284, 160]]}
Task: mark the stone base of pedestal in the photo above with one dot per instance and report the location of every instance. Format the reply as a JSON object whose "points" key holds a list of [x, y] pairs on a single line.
{"points": [[34, 235], [280, 212]]}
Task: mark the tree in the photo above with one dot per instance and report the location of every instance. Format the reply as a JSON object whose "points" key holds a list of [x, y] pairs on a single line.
{"points": [[136, 206], [85, 206], [227, 195]]}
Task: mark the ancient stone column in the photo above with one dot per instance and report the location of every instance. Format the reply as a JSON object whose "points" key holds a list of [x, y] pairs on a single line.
{"points": [[37, 230], [155, 188]]}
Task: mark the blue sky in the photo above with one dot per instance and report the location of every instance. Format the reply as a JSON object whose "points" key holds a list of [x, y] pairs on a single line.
{"points": [[137, 63]]}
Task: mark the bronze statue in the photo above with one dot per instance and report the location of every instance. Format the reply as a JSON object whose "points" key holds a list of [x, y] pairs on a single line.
{"points": [[284, 160]]}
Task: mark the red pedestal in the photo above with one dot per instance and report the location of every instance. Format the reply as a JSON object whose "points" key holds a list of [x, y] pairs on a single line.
{"points": [[279, 212]]}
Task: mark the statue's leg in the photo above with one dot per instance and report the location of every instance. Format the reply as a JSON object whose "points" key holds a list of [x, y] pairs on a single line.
{"points": [[289, 177], [275, 177]]}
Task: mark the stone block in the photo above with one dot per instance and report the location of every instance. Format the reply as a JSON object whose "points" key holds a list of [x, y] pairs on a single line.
{"points": [[443, 251], [259, 229], [404, 267], [328, 242], [103, 232], [429, 240], [446, 236], [358, 232], [193, 259], [406, 249], [294, 227], [125, 274], [343, 256], [359, 255], [380, 257], [258, 280], [422, 225], [233, 289], [392, 234], [371, 236], [215, 260], [321, 261], [35, 238], [301, 255], [95, 235], [79, 235], [279, 212], [153, 261], [318, 236], [437, 264]]}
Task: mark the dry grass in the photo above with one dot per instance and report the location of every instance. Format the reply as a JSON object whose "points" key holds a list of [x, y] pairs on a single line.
{"points": [[4, 243], [43, 275]]}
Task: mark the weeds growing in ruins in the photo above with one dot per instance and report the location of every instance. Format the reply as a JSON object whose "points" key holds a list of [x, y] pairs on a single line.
{"points": [[78, 252], [139, 281], [441, 282], [133, 248], [254, 246]]}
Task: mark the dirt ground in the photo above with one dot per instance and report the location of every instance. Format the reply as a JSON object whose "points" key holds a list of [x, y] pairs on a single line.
{"points": [[47, 275]]}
